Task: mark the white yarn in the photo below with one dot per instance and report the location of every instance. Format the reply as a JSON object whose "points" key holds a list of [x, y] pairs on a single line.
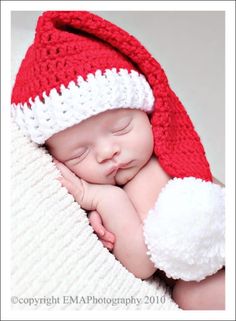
{"points": [[185, 231], [82, 99], [54, 250]]}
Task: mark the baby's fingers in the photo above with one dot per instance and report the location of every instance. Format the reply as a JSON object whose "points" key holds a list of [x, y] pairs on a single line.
{"points": [[96, 222], [71, 187], [68, 185], [108, 245], [108, 237], [65, 171]]}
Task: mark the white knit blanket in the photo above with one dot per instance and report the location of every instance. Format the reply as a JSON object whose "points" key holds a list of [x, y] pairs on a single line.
{"points": [[57, 260]]}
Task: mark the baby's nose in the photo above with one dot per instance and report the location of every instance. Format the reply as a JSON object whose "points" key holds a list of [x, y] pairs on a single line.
{"points": [[107, 151]]}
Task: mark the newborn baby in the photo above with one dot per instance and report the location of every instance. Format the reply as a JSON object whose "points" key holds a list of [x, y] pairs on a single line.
{"points": [[109, 149], [107, 164]]}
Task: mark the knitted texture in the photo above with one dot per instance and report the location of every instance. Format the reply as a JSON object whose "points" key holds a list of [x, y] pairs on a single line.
{"points": [[54, 250], [68, 75], [73, 43], [194, 221], [94, 95]]}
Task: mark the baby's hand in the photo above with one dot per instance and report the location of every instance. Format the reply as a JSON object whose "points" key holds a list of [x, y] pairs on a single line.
{"points": [[106, 237], [83, 194], [77, 187]]}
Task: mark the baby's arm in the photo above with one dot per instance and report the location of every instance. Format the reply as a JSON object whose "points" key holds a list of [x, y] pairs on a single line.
{"points": [[119, 216]]}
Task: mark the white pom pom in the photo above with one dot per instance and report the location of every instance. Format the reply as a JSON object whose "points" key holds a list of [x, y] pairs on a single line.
{"points": [[184, 233]]}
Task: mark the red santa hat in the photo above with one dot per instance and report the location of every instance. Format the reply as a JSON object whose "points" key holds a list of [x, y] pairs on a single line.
{"points": [[80, 65]]}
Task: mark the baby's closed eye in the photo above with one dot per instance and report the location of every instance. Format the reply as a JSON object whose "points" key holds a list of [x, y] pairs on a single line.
{"points": [[122, 128], [79, 155]]}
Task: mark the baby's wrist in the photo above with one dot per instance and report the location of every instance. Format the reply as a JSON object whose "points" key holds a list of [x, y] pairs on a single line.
{"points": [[107, 198]]}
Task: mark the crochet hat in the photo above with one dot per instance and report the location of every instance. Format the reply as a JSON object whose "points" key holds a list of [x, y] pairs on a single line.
{"points": [[80, 65]]}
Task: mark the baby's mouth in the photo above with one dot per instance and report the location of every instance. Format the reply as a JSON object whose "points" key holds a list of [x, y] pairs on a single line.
{"points": [[115, 168], [112, 171]]}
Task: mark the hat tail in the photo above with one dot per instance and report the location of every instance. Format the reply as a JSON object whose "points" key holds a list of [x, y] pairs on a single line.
{"points": [[177, 144]]}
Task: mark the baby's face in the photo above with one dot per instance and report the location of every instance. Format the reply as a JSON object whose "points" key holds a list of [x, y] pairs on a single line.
{"points": [[109, 148]]}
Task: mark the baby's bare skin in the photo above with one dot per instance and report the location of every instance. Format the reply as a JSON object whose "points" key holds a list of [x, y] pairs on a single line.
{"points": [[119, 216], [88, 155], [144, 188], [95, 161]]}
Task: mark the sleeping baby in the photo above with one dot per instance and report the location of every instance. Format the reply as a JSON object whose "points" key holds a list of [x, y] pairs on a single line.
{"points": [[107, 164], [127, 151]]}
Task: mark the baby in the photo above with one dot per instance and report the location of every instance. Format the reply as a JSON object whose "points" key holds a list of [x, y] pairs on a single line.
{"points": [[103, 107], [109, 151]]}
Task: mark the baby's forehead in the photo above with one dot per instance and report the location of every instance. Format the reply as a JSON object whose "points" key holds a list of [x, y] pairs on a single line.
{"points": [[108, 117]]}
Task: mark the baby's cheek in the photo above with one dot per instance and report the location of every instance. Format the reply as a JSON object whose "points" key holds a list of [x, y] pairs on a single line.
{"points": [[93, 175], [88, 175], [143, 143], [80, 171]]}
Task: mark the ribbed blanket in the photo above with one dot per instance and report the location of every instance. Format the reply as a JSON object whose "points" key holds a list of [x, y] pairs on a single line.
{"points": [[57, 260]]}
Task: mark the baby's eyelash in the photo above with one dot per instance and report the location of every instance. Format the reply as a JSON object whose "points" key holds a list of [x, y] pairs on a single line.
{"points": [[121, 129], [80, 155]]}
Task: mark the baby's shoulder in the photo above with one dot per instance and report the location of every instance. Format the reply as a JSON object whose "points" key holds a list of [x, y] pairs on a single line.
{"points": [[151, 171]]}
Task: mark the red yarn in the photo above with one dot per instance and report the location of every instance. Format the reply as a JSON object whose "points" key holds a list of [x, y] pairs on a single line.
{"points": [[71, 43], [59, 54]]}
